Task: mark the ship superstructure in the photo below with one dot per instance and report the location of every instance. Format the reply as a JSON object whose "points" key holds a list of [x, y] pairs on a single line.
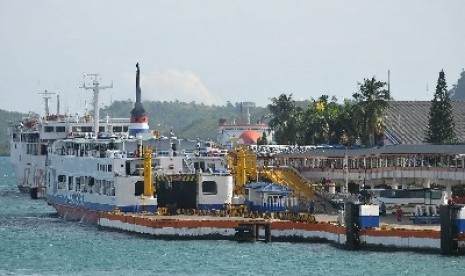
{"points": [[90, 176], [111, 172], [30, 138]]}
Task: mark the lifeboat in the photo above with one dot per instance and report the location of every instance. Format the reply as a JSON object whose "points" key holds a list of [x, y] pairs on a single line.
{"points": [[30, 123]]}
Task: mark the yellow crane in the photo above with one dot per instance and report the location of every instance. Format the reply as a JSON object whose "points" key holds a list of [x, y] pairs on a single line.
{"points": [[242, 162], [148, 186]]}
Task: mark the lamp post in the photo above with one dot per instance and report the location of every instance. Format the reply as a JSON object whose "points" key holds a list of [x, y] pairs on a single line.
{"points": [[364, 185]]}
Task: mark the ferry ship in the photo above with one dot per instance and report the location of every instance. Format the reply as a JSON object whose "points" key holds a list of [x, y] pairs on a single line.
{"points": [[113, 172], [30, 138], [87, 176]]}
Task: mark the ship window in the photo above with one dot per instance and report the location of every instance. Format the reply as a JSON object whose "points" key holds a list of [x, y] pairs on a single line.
{"points": [[112, 188], [97, 186], [77, 187], [70, 183], [43, 149], [86, 129], [104, 187], [138, 188], [125, 129], [209, 188], [110, 168], [49, 129], [61, 182], [117, 129], [60, 129]]}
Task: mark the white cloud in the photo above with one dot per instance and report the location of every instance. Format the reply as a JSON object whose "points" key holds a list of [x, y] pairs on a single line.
{"points": [[170, 85]]}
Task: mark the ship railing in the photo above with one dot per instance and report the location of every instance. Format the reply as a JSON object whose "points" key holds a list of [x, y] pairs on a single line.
{"points": [[116, 120]]}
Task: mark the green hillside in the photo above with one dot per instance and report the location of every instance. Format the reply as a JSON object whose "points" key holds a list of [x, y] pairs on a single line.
{"points": [[188, 120]]}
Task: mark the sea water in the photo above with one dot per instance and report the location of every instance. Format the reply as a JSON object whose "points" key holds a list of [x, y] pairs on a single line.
{"points": [[34, 241]]}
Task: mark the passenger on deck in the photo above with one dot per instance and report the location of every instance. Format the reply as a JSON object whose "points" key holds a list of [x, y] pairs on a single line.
{"points": [[399, 213], [382, 209], [323, 204], [312, 206]]}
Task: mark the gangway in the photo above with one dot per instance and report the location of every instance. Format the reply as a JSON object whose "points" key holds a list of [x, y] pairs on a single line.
{"points": [[290, 178], [242, 162]]}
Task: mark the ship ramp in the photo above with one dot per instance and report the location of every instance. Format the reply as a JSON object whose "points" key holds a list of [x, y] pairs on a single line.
{"points": [[290, 178]]}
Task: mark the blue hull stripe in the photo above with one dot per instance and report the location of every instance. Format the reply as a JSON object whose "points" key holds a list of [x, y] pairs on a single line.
{"points": [[211, 207], [99, 206]]}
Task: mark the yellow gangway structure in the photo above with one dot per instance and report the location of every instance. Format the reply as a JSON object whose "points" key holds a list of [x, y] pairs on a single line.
{"points": [[290, 178], [242, 162]]}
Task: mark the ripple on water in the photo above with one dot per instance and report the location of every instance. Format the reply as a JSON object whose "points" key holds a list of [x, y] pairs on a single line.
{"points": [[33, 241]]}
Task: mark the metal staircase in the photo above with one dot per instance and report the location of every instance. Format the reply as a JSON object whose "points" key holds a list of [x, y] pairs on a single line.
{"points": [[242, 162], [290, 178]]}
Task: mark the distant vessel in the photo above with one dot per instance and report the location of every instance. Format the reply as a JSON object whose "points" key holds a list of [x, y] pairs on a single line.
{"points": [[230, 134], [31, 138]]}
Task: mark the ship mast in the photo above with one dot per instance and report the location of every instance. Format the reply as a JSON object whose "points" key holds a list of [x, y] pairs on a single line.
{"points": [[46, 96], [96, 88]]}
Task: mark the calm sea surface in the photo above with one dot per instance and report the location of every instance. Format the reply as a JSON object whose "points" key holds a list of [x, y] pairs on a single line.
{"points": [[33, 241]]}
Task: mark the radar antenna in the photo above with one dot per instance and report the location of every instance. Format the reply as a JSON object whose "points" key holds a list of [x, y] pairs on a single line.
{"points": [[47, 96], [95, 86]]}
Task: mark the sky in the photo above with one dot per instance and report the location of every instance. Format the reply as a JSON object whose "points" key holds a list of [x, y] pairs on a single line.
{"points": [[214, 51]]}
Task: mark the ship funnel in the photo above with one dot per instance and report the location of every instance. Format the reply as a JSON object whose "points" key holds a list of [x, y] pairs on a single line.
{"points": [[139, 119]]}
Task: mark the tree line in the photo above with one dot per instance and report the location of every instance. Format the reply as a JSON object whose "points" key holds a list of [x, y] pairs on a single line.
{"points": [[359, 120]]}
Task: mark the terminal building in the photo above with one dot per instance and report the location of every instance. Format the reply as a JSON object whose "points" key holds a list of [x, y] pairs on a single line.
{"points": [[405, 161], [407, 121]]}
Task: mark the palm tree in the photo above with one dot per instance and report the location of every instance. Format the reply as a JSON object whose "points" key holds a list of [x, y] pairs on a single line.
{"points": [[345, 125], [285, 119], [372, 101]]}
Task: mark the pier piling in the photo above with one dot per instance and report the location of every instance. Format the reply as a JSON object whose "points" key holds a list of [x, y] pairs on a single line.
{"points": [[449, 229], [352, 225], [250, 232]]}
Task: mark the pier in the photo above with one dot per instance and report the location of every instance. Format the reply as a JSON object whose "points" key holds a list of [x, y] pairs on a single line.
{"points": [[365, 233]]}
